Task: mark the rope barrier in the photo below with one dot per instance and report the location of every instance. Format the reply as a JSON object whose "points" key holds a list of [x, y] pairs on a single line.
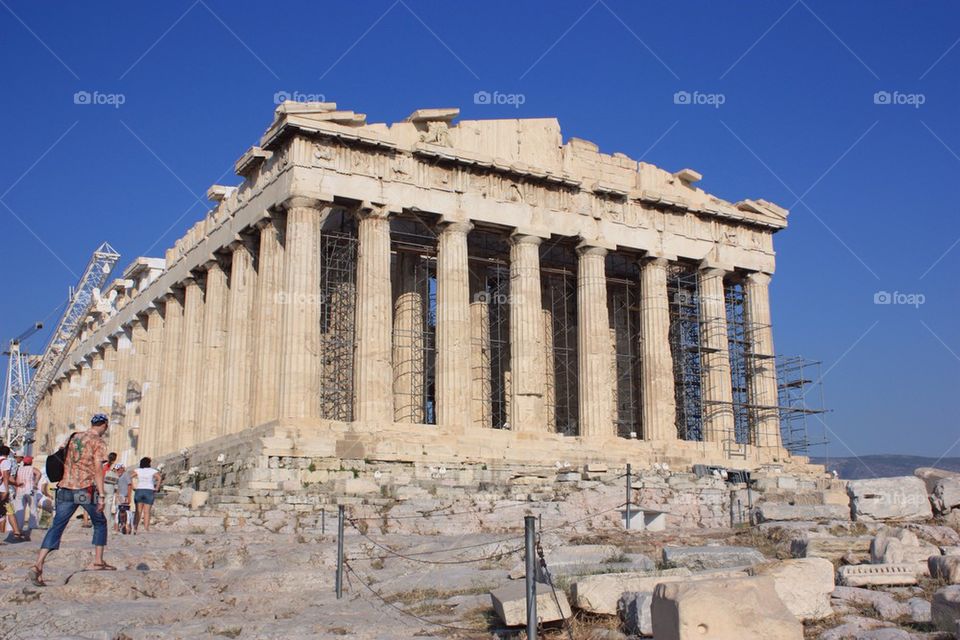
{"points": [[409, 556], [404, 611]]}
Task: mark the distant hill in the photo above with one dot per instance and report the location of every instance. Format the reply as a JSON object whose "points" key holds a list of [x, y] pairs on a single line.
{"points": [[855, 468]]}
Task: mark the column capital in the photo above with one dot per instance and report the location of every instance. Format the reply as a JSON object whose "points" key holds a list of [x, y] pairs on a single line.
{"points": [[655, 260], [211, 263], [518, 237], [455, 226], [758, 277], [588, 245], [376, 210], [241, 241], [307, 202], [709, 266]]}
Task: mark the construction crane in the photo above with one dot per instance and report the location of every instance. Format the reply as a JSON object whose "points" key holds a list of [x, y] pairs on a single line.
{"points": [[19, 429], [18, 378]]}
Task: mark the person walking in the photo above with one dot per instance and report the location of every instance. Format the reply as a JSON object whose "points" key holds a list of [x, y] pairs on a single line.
{"points": [[110, 477], [25, 510], [146, 482], [80, 487], [8, 484]]}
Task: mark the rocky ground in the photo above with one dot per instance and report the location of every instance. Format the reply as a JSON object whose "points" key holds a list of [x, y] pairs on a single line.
{"points": [[428, 571]]}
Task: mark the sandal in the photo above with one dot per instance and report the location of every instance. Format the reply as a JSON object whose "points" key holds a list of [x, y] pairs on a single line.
{"points": [[35, 576], [102, 566]]}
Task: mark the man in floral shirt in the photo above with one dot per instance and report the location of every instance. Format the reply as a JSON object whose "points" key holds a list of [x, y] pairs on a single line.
{"points": [[81, 486]]}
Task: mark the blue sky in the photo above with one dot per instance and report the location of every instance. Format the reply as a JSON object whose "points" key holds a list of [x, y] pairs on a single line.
{"points": [[871, 186]]}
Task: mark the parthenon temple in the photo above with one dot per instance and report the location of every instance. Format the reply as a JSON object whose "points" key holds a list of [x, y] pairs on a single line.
{"points": [[442, 289]]}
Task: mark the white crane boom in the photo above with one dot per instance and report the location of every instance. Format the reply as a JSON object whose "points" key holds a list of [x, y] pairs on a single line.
{"points": [[22, 423]]}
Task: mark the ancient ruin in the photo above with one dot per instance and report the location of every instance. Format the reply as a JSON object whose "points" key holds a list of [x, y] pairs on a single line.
{"points": [[442, 291]]}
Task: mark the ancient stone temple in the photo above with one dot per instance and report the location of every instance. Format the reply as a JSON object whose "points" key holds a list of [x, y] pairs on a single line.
{"points": [[434, 290]]}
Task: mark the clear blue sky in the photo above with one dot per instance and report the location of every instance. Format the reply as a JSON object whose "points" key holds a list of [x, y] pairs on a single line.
{"points": [[871, 186]]}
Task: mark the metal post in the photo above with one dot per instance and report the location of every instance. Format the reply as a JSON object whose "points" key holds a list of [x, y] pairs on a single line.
{"points": [[629, 493], [529, 526], [323, 520], [339, 551]]}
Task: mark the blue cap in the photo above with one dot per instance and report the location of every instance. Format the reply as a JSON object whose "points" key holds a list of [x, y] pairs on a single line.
{"points": [[98, 419]]}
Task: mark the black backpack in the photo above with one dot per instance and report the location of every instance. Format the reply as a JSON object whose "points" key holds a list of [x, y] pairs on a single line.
{"points": [[56, 461]]}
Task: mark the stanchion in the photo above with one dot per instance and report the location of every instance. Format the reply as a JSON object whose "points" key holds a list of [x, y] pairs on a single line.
{"points": [[529, 526], [323, 521], [629, 494], [339, 552]]}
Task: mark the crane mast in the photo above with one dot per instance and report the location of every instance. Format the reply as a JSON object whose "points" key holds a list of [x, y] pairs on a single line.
{"points": [[20, 427]]}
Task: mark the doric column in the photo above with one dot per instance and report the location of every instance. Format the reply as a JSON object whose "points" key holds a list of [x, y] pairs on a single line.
{"points": [[373, 367], [480, 372], [167, 432], [761, 364], [527, 358], [133, 393], [106, 386], [593, 343], [269, 316], [151, 389], [239, 357], [210, 408], [191, 360], [120, 426], [714, 345], [407, 341], [453, 385], [300, 342], [659, 403]]}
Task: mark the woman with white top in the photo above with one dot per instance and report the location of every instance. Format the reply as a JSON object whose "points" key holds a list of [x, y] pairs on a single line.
{"points": [[146, 481]]}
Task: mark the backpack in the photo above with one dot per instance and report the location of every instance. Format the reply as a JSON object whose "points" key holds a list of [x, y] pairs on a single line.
{"points": [[57, 461]]}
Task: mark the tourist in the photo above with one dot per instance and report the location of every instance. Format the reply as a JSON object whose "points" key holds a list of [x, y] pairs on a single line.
{"points": [[80, 487], [110, 477], [146, 482], [8, 483], [25, 510], [123, 522]]}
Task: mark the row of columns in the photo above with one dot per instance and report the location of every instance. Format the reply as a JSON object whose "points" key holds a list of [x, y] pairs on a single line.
{"points": [[229, 350]]}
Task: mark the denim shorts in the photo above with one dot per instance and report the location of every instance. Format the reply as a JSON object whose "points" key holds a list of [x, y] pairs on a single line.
{"points": [[143, 496]]}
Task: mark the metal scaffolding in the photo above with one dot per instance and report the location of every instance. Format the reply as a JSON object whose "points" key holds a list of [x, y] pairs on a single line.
{"points": [[623, 304], [800, 390], [338, 295], [415, 248], [559, 294], [490, 286], [684, 301]]}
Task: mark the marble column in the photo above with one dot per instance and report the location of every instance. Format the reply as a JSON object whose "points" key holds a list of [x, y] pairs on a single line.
{"points": [[593, 343], [210, 408], [120, 427], [480, 365], [718, 424], [527, 358], [191, 362], [373, 367], [133, 392], [762, 393], [106, 385], [269, 315], [659, 404], [167, 432], [454, 388], [151, 389], [238, 356], [408, 373], [300, 342]]}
